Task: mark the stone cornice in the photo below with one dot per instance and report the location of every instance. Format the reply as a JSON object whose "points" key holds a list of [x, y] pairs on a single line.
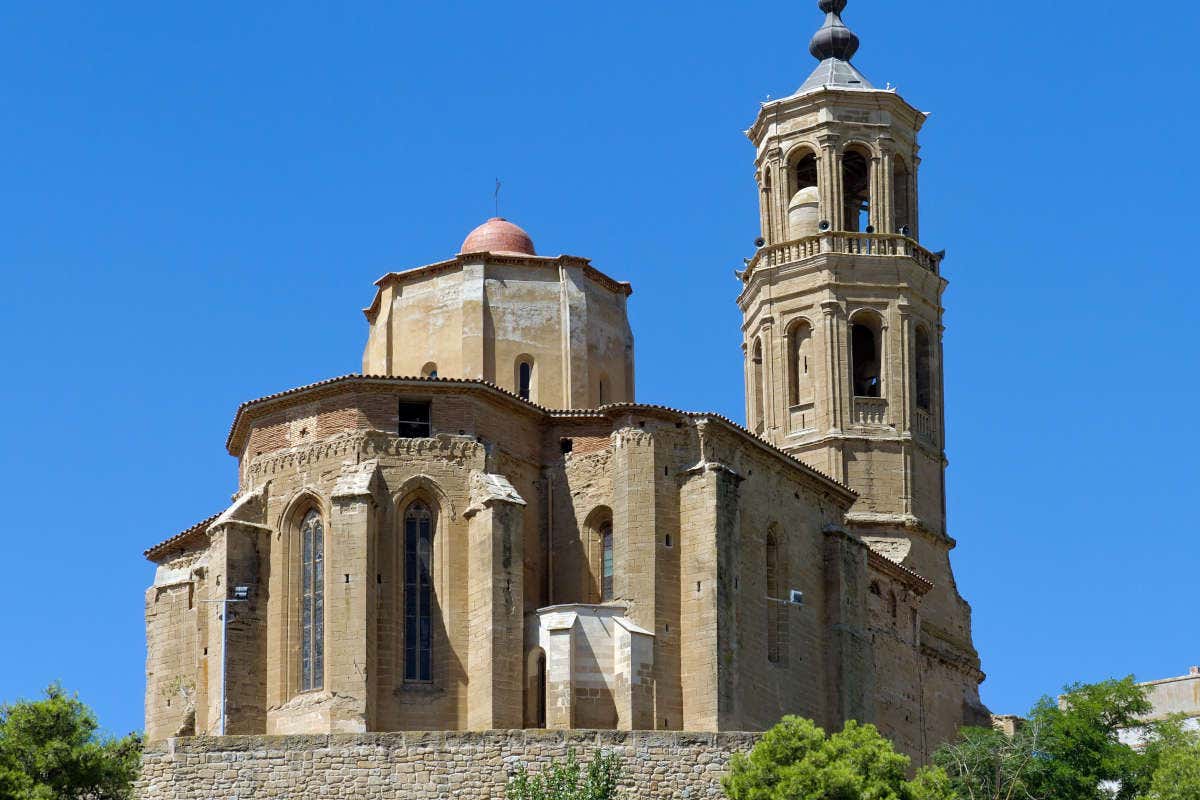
{"points": [[810, 102], [459, 261]]}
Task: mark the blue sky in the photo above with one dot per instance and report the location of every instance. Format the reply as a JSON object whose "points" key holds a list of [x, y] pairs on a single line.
{"points": [[195, 199]]}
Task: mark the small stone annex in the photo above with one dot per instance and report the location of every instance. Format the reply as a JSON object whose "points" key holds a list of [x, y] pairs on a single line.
{"points": [[484, 531]]}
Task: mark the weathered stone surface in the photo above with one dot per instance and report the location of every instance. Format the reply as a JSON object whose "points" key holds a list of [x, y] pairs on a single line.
{"points": [[425, 765]]}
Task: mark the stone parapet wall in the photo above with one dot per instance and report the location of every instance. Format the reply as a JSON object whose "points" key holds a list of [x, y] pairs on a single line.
{"points": [[424, 766]]}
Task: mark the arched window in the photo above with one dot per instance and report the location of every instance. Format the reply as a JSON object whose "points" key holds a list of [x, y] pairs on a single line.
{"points": [[776, 604], [902, 203], [312, 602], [418, 592], [924, 376], [429, 370], [856, 188], [804, 171], [606, 562], [804, 198], [525, 378], [865, 356], [757, 388], [800, 363]]}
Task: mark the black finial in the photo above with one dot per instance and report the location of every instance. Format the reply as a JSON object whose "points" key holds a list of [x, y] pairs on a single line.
{"points": [[834, 39]]}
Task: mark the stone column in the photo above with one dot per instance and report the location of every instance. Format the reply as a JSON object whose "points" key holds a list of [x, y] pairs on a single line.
{"points": [[496, 647], [350, 603], [829, 167], [906, 385], [883, 205], [835, 373], [914, 207], [780, 197], [769, 389], [905, 368]]}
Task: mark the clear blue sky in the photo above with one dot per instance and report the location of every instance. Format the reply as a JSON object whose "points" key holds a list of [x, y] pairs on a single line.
{"points": [[195, 199]]}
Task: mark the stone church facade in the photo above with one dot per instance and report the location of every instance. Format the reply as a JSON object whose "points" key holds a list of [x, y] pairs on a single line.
{"points": [[484, 530]]}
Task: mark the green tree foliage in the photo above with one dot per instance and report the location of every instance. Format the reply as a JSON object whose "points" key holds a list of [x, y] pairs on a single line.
{"points": [[795, 760], [567, 780], [1174, 757], [1068, 750], [1078, 735], [50, 750], [985, 764]]}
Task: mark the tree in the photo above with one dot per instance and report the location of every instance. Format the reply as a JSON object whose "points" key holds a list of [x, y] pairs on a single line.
{"points": [[1173, 753], [567, 781], [50, 750], [1079, 740], [1068, 750], [986, 764], [795, 760]]}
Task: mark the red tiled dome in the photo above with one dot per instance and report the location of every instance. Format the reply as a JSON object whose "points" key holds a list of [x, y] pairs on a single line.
{"points": [[498, 235]]}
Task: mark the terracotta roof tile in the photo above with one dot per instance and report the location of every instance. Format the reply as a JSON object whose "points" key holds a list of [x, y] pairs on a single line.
{"points": [[179, 539]]}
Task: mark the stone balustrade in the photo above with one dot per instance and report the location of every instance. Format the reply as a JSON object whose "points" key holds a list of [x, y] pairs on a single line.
{"points": [[858, 244], [923, 425], [870, 411]]}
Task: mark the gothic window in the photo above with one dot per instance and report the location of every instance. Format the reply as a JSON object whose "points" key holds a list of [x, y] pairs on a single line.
{"points": [[856, 188], [525, 378], [865, 355], [800, 363], [606, 562], [924, 376], [418, 593], [312, 602], [756, 387], [776, 607]]}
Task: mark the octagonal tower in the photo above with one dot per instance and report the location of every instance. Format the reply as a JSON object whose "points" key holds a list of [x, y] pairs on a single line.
{"points": [[553, 330], [842, 332]]}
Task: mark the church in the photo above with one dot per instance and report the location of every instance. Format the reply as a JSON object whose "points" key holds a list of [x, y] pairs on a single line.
{"points": [[485, 530]]}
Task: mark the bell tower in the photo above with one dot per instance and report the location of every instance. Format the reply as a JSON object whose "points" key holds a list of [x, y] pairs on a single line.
{"points": [[842, 327]]}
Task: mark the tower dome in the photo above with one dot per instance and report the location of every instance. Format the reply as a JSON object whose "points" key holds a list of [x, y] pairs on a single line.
{"points": [[498, 235]]}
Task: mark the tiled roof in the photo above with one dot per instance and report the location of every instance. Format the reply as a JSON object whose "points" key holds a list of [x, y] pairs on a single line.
{"points": [[923, 583], [179, 539]]}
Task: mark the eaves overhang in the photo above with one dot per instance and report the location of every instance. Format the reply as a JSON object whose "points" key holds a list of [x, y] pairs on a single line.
{"points": [[457, 262], [254, 409]]}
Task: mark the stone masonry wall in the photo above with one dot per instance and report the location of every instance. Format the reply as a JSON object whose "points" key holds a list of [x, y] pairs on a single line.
{"points": [[424, 766]]}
